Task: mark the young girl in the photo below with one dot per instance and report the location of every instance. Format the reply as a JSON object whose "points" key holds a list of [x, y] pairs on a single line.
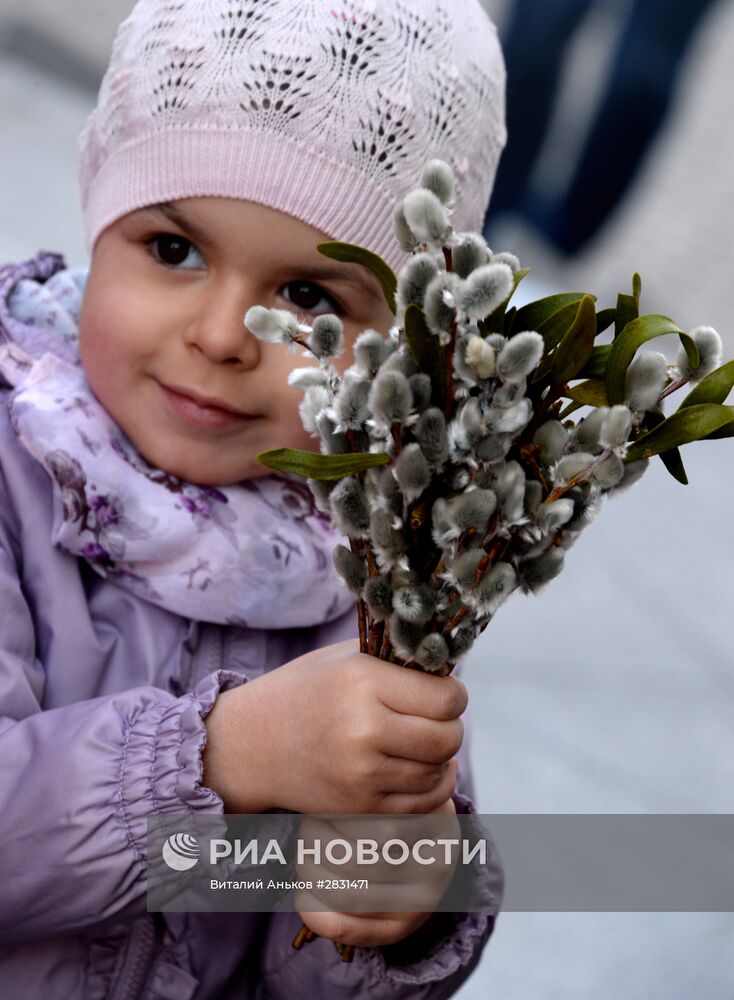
{"points": [[175, 636]]}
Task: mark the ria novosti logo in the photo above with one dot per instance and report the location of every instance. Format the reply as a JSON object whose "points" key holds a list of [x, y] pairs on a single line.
{"points": [[180, 852]]}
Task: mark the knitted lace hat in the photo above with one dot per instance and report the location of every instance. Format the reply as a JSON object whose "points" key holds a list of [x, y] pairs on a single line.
{"points": [[326, 110]]}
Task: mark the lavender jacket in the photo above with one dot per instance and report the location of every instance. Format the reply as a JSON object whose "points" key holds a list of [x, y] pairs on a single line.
{"points": [[102, 701]]}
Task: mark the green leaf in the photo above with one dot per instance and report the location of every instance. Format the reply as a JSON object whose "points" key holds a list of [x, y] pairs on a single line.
{"points": [[312, 465], [553, 330], [428, 354], [596, 366], [627, 310], [726, 431], [571, 408], [494, 323], [674, 464], [534, 314], [670, 459], [712, 389], [508, 321], [652, 418], [604, 319], [349, 253], [575, 349], [625, 346], [556, 326], [691, 424], [590, 393]]}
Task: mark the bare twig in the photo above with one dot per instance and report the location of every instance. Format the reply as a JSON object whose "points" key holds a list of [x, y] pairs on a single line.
{"points": [[377, 632], [528, 456], [676, 384], [580, 477]]}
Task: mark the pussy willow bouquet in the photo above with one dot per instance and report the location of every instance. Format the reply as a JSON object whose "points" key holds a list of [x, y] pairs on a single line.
{"points": [[448, 454]]}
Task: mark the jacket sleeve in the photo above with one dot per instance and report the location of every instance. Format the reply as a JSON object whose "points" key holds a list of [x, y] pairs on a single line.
{"points": [[429, 965], [78, 782]]}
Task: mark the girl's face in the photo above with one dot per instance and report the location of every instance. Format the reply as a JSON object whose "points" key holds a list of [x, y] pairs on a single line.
{"points": [[163, 310]]}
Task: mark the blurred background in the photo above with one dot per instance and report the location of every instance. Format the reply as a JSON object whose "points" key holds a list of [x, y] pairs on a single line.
{"points": [[614, 690]]}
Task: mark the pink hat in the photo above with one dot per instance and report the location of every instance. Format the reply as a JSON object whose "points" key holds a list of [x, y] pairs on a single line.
{"points": [[326, 110]]}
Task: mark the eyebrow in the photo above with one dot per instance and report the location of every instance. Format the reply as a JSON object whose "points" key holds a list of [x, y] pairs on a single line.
{"points": [[314, 271], [174, 215]]}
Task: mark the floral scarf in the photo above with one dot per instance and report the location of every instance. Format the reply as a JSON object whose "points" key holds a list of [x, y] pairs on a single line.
{"points": [[255, 554]]}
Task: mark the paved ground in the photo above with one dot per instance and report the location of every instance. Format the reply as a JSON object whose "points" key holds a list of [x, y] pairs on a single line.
{"points": [[613, 691]]}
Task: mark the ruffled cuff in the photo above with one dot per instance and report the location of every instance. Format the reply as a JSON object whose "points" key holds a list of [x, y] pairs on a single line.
{"points": [[435, 961], [162, 765]]}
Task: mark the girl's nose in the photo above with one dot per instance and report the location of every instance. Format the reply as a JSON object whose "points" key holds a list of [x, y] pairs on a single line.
{"points": [[219, 332]]}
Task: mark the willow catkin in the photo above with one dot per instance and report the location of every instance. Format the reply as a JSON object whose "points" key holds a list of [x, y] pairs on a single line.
{"points": [[426, 216], [350, 507], [438, 177], [326, 339], [439, 304], [709, 346], [421, 389], [378, 594], [412, 471], [370, 350], [351, 567], [351, 404], [416, 602], [609, 472], [645, 380], [469, 253], [616, 427], [405, 636], [586, 433], [536, 573], [431, 434], [414, 280], [432, 652], [485, 289], [551, 438], [472, 510], [520, 356], [390, 397], [495, 587]]}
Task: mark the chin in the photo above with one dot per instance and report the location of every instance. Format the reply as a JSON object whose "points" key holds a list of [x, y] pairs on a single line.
{"points": [[176, 462], [202, 477], [206, 476], [186, 471]]}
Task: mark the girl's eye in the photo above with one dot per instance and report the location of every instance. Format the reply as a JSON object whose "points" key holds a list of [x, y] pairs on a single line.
{"points": [[306, 295], [173, 251]]}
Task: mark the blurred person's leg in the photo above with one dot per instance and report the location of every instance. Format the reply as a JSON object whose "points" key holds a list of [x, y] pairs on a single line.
{"points": [[635, 105], [534, 43]]}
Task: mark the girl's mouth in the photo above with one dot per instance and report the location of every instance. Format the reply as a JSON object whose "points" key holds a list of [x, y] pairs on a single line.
{"points": [[201, 414]]}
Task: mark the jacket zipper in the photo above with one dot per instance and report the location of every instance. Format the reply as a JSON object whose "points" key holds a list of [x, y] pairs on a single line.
{"points": [[138, 960]]}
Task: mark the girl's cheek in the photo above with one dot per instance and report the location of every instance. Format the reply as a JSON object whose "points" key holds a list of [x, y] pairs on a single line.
{"points": [[286, 405]]}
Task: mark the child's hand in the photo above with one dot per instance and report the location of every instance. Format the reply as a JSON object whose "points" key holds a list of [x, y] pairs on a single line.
{"points": [[336, 730], [371, 930]]}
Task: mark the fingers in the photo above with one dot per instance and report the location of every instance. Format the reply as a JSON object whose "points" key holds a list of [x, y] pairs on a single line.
{"points": [[410, 692], [363, 930], [401, 802], [413, 692], [424, 740], [364, 859], [411, 776], [381, 885]]}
